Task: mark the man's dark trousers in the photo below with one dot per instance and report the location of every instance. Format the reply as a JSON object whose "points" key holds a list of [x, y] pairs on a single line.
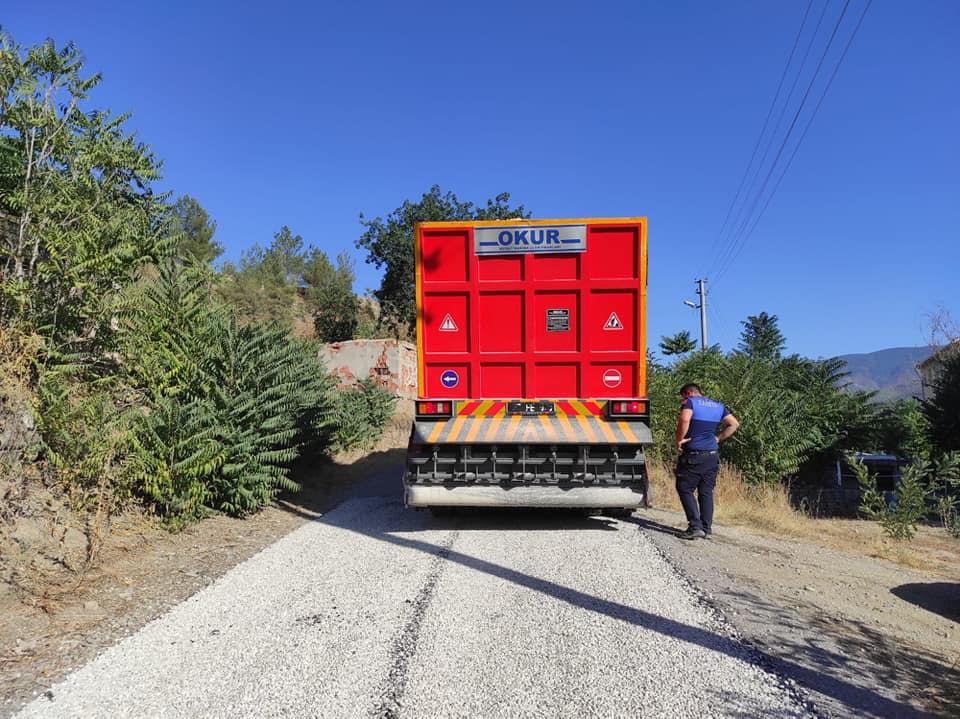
{"points": [[697, 472]]}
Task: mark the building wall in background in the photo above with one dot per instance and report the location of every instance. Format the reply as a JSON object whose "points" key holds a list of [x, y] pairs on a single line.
{"points": [[391, 363]]}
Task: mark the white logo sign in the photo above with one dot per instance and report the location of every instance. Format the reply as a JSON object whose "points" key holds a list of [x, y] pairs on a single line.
{"points": [[613, 322], [529, 238], [448, 325], [612, 378]]}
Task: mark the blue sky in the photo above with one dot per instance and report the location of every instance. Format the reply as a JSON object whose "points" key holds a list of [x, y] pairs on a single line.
{"points": [[308, 114]]}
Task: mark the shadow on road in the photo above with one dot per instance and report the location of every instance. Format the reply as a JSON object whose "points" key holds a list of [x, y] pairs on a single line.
{"points": [[325, 483], [941, 598], [652, 526], [819, 664], [835, 652]]}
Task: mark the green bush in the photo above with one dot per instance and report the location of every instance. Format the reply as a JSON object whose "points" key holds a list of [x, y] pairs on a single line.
{"points": [[229, 407], [85, 425], [174, 451], [271, 396], [776, 434], [899, 519], [144, 385], [361, 414], [945, 487]]}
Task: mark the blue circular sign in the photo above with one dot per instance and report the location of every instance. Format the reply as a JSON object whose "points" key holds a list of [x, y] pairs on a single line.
{"points": [[449, 379]]}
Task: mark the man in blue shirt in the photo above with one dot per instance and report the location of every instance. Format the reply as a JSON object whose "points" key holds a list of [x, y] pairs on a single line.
{"points": [[699, 460]]}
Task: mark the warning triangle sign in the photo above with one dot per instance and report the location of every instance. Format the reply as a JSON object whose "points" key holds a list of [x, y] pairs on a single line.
{"points": [[613, 322], [448, 325]]}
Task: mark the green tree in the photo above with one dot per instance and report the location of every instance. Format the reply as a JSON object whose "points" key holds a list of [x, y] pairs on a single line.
{"points": [[902, 429], [329, 295], [78, 188], [265, 286], [836, 418], [775, 436], [679, 344], [282, 263], [761, 337], [941, 409], [193, 230], [389, 244]]}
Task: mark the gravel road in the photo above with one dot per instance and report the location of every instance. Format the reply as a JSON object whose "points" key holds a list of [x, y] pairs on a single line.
{"points": [[378, 611]]}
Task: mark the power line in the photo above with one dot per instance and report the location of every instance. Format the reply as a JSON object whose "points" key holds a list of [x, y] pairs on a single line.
{"points": [[766, 122], [809, 121], [739, 239], [743, 220], [724, 246], [718, 320]]}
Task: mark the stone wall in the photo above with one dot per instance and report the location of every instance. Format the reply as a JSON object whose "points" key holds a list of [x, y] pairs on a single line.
{"points": [[392, 363]]}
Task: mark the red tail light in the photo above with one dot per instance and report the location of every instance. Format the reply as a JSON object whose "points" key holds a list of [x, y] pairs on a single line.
{"points": [[628, 408], [434, 410]]}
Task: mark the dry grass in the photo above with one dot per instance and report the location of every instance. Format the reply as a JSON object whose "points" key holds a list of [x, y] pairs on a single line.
{"points": [[768, 511]]}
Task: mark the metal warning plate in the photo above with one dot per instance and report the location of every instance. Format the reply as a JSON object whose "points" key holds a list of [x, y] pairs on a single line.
{"points": [[558, 320]]}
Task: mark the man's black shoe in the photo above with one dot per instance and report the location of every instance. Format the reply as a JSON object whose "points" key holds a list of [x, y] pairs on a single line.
{"points": [[692, 533]]}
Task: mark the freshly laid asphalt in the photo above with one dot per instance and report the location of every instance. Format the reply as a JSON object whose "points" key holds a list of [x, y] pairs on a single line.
{"points": [[374, 610]]}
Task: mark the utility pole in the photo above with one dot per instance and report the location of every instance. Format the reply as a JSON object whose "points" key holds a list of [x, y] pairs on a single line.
{"points": [[702, 291], [702, 306]]}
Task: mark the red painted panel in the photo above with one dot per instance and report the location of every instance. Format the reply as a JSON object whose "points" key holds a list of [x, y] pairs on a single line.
{"points": [[612, 321], [502, 319], [614, 252], [446, 323], [549, 268], [500, 268], [556, 379], [485, 318], [502, 380], [444, 256]]}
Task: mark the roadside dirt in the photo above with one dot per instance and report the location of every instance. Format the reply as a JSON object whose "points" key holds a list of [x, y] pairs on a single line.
{"points": [[863, 636]]}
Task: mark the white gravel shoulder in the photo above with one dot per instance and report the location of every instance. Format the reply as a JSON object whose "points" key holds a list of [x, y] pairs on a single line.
{"points": [[375, 610]]}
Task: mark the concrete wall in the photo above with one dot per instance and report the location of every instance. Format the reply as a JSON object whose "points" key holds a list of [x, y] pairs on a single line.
{"points": [[392, 363]]}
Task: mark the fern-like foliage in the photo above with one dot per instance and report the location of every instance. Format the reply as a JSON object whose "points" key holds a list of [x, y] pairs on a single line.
{"points": [[245, 399], [174, 452], [361, 414], [271, 397]]}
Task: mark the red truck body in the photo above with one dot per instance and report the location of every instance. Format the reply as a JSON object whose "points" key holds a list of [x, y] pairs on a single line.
{"points": [[531, 346], [532, 324]]}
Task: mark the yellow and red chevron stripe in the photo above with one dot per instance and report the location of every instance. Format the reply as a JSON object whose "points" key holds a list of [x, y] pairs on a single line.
{"points": [[562, 428], [498, 407]]}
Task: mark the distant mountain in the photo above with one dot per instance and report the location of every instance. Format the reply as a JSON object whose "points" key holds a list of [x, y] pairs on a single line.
{"points": [[891, 373]]}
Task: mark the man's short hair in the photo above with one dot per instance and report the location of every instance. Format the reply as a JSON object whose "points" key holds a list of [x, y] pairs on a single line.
{"points": [[691, 387]]}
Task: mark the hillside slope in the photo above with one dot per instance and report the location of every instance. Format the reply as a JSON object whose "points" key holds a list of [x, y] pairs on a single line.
{"points": [[890, 372]]}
